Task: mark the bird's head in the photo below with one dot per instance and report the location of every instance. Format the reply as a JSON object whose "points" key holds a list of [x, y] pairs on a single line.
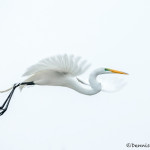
{"points": [[107, 70], [106, 83]]}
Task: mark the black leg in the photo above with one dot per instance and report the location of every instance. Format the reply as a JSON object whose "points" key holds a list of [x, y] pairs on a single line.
{"points": [[8, 98], [5, 105]]}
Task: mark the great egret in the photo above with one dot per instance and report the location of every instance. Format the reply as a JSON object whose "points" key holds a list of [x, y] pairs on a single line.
{"points": [[61, 70]]}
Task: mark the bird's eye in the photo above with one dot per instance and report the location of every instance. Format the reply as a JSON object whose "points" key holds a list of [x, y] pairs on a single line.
{"points": [[106, 69]]}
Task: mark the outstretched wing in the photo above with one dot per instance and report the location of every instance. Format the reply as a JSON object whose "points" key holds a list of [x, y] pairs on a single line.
{"points": [[68, 64]]}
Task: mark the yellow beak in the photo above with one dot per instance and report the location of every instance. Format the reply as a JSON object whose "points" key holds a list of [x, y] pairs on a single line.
{"points": [[116, 71]]}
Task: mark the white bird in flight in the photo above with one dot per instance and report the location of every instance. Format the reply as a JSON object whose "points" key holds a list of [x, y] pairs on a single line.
{"points": [[61, 70]]}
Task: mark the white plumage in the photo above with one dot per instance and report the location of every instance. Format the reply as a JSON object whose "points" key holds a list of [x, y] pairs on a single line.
{"points": [[61, 70], [68, 64]]}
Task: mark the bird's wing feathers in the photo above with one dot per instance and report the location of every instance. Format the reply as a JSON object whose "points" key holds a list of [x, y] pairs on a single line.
{"points": [[68, 64]]}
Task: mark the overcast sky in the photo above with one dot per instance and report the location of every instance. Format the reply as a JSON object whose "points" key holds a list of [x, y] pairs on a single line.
{"points": [[110, 33]]}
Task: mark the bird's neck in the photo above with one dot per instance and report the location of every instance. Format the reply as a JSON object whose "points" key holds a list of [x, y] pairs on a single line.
{"points": [[82, 88], [92, 79], [91, 89]]}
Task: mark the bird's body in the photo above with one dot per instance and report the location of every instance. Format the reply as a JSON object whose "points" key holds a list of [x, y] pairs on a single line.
{"points": [[62, 70], [49, 77], [63, 73]]}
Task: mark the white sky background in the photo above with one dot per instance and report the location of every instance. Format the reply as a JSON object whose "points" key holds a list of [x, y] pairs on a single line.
{"points": [[110, 33]]}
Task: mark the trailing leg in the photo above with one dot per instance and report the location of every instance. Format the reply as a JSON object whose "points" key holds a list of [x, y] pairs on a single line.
{"points": [[5, 105]]}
